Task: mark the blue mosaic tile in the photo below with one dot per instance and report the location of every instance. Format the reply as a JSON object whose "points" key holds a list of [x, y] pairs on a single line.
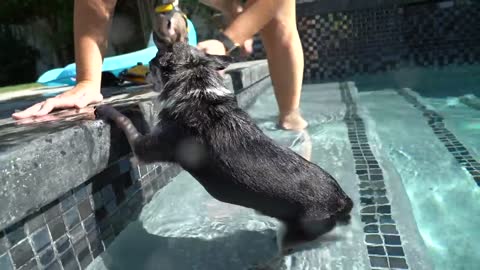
{"points": [[381, 200], [76, 233], [84, 256], [378, 261], [57, 228], [54, 266], [62, 244], [69, 261], [67, 202], [86, 261], [81, 194], [373, 239], [384, 209], [71, 218], [89, 223], [376, 250], [40, 239], [30, 265], [368, 210], [398, 263], [373, 228], [367, 219], [386, 220], [21, 253], [47, 256], [5, 262], [388, 229], [395, 251], [34, 223], [15, 234], [52, 212], [392, 240]]}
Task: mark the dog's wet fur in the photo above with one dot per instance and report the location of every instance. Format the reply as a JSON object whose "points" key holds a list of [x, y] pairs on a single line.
{"points": [[202, 128]]}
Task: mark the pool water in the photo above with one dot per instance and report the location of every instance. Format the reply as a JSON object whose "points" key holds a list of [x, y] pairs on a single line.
{"points": [[434, 199]]}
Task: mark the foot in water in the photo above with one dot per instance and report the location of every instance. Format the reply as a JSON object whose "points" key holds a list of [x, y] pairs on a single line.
{"points": [[292, 121]]}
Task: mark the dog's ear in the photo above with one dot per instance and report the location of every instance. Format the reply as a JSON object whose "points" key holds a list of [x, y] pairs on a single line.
{"points": [[219, 62]]}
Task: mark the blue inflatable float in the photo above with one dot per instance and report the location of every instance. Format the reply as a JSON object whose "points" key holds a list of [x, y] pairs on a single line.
{"points": [[115, 64]]}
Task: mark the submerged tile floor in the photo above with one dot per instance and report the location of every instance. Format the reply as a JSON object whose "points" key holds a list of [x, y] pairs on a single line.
{"points": [[454, 146]]}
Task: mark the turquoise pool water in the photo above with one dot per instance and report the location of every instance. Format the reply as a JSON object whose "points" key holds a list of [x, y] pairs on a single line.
{"points": [[443, 195], [434, 199]]}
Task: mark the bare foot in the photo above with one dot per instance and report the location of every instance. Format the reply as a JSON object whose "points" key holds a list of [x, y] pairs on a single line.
{"points": [[292, 121]]}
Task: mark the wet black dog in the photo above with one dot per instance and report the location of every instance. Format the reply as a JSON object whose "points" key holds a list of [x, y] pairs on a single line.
{"points": [[202, 128]]}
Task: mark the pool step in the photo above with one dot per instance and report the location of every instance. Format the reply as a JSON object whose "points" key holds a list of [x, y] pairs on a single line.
{"points": [[411, 137], [327, 138], [383, 233]]}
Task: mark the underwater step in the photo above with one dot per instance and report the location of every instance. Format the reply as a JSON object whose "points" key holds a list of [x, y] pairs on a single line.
{"points": [[441, 192], [391, 234]]}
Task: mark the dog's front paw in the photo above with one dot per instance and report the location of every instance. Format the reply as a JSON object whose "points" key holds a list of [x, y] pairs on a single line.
{"points": [[104, 111]]}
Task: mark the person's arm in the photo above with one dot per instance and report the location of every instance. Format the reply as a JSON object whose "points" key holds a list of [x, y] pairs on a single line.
{"points": [[245, 24], [253, 18], [92, 19]]}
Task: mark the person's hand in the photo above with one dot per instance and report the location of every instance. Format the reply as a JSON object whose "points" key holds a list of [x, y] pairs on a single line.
{"points": [[212, 46], [83, 94]]}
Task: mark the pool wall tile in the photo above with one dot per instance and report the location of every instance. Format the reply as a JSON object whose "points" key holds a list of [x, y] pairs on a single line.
{"points": [[68, 233], [365, 37], [380, 227]]}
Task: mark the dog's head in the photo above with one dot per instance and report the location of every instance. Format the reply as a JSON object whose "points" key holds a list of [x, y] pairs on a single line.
{"points": [[169, 26], [180, 62]]}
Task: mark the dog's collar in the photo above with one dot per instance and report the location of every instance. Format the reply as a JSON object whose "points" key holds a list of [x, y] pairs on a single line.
{"points": [[164, 8], [167, 8]]}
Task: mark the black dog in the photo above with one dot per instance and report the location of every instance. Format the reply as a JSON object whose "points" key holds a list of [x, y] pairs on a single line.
{"points": [[202, 128]]}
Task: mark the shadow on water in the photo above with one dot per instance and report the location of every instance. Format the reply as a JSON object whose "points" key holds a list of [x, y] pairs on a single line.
{"points": [[243, 249], [147, 251]]}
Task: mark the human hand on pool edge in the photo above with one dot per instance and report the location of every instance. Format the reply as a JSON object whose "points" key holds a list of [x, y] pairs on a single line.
{"points": [[83, 94]]}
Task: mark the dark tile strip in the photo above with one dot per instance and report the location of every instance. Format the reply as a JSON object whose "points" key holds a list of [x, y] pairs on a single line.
{"points": [[453, 145], [383, 240]]}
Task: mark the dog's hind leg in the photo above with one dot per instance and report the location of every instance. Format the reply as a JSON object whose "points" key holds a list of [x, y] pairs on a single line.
{"points": [[147, 148], [305, 230]]}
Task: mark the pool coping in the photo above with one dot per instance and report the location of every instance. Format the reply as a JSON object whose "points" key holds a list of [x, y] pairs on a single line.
{"points": [[34, 174]]}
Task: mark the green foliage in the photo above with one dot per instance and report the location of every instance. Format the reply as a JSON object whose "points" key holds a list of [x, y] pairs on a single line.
{"points": [[19, 14], [17, 60]]}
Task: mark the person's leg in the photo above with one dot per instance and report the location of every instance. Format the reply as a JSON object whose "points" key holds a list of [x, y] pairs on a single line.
{"points": [[285, 60]]}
